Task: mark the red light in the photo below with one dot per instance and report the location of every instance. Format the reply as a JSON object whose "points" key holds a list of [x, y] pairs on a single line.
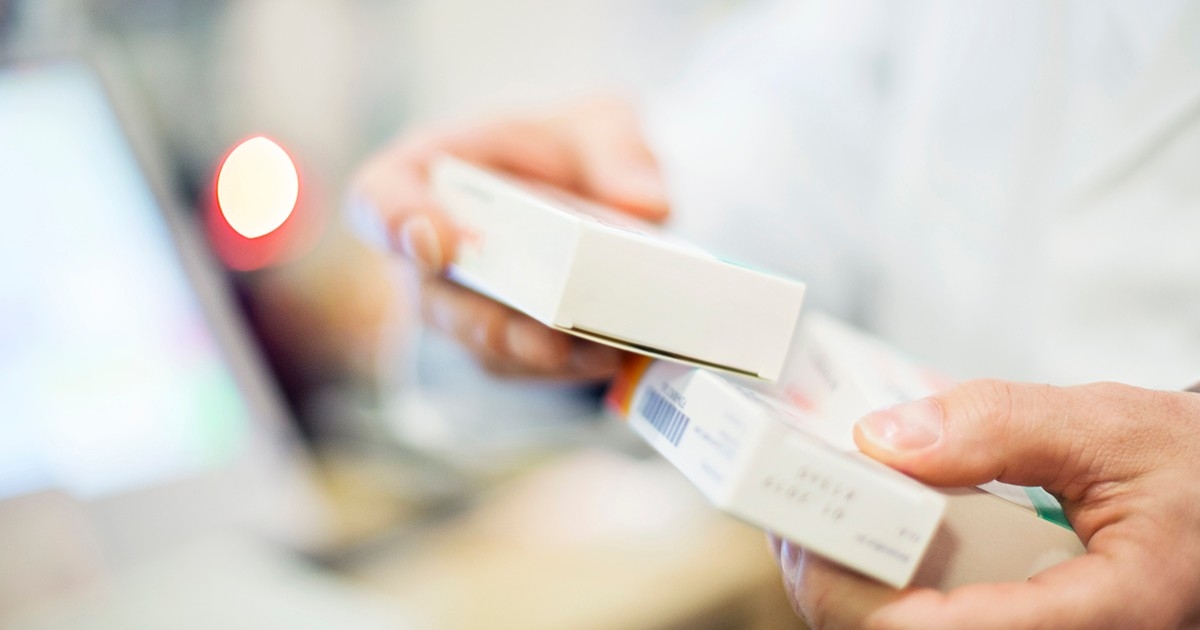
{"points": [[260, 212], [257, 187]]}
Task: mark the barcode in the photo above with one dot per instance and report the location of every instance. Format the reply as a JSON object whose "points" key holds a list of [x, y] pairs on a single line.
{"points": [[664, 416]]}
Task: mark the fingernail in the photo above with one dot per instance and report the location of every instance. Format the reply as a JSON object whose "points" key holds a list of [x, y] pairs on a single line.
{"points": [[790, 555], [419, 240], [643, 187], [905, 427], [774, 546]]}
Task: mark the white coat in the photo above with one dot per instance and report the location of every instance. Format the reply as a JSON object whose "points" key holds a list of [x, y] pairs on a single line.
{"points": [[1006, 189]]}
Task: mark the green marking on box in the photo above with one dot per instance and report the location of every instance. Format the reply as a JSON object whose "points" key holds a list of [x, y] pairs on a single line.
{"points": [[1048, 507]]}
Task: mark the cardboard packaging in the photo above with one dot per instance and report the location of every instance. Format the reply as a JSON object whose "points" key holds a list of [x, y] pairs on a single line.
{"points": [[602, 275], [782, 457], [749, 460]]}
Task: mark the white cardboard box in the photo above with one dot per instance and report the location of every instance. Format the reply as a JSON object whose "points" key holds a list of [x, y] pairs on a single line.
{"points": [[755, 450], [599, 274], [748, 460]]}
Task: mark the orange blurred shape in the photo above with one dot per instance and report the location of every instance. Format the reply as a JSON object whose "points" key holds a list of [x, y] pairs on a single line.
{"points": [[257, 215]]}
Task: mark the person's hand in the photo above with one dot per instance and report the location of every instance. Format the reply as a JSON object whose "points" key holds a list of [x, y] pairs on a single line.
{"points": [[594, 149], [1125, 462]]}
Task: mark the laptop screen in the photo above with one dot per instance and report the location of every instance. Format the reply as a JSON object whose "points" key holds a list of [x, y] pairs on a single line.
{"points": [[111, 378]]}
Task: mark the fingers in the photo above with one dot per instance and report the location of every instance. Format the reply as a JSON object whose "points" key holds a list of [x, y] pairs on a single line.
{"points": [[1018, 433], [527, 147], [1119, 455], [624, 178], [428, 239], [509, 343], [974, 433], [1093, 591], [595, 150], [827, 596], [615, 166], [394, 184], [391, 190], [1097, 590], [489, 328]]}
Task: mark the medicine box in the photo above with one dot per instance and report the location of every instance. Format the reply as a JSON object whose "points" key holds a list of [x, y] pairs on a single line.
{"points": [[603, 275], [782, 457]]}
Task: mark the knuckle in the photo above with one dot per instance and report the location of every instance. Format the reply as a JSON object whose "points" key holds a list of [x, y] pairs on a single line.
{"points": [[1182, 411], [1162, 421], [1114, 393], [989, 400], [1122, 409]]}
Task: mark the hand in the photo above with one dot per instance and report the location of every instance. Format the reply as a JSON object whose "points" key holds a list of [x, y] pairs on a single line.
{"points": [[594, 149], [1125, 462]]}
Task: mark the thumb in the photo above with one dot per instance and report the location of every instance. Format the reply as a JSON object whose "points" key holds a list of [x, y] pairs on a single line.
{"points": [[635, 186], [979, 431], [617, 168]]}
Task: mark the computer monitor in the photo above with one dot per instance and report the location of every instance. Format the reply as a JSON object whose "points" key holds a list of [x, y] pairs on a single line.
{"points": [[128, 383]]}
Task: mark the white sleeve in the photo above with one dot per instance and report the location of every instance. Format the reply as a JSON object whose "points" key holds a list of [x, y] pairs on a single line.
{"points": [[769, 141]]}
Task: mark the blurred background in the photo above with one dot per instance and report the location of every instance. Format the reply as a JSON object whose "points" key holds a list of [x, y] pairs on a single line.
{"points": [[433, 496], [331, 81]]}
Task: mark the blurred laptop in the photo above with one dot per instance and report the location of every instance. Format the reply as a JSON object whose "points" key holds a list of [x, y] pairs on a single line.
{"points": [[148, 473]]}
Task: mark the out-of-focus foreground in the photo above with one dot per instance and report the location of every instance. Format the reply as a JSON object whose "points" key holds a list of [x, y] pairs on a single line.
{"points": [[423, 493]]}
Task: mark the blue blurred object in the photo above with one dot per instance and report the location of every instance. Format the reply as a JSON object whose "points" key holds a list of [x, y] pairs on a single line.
{"points": [[112, 378]]}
